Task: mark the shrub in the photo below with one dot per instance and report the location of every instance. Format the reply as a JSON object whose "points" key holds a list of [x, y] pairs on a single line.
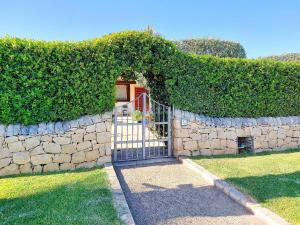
{"points": [[235, 87], [50, 81], [285, 57], [215, 47]]}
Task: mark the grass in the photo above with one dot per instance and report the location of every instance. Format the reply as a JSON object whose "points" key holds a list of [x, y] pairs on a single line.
{"points": [[81, 197], [273, 179]]}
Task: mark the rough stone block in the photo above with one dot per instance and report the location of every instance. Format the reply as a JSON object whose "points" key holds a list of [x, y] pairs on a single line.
{"points": [[67, 166], [46, 138], [41, 159], [203, 144], [92, 155], [32, 142], [89, 137], [62, 158], [222, 134], [223, 143], [108, 126], [215, 144], [107, 150], [218, 152], [86, 165], [4, 162], [231, 144], [9, 130], [26, 168], [37, 169], [102, 151], [78, 157], [181, 133], [11, 139], [51, 167], [62, 140], [281, 134], [9, 170], [102, 160], [52, 148], [177, 144], [273, 143], [69, 148], [212, 135], [231, 151], [205, 152], [80, 131], [195, 153], [196, 137], [77, 138], [84, 146], [37, 150], [4, 153], [21, 157], [190, 145], [103, 138], [16, 147], [91, 128], [296, 133], [183, 153], [100, 127], [273, 135]]}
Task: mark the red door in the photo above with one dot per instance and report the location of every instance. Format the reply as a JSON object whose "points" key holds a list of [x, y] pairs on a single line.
{"points": [[138, 102]]}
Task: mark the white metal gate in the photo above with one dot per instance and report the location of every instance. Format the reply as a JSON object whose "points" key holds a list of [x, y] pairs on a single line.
{"points": [[142, 130]]}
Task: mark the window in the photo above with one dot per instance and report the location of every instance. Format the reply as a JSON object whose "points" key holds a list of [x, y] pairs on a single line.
{"points": [[122, 92]]}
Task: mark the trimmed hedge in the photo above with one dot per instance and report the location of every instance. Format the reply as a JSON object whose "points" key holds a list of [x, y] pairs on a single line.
{"points": [[50, 81], [209, 46], [285, 57], [235, 87]]}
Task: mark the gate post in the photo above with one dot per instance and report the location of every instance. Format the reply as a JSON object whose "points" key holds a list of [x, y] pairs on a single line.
{"points": [[169, 131], [144, 125], [115, 133]]}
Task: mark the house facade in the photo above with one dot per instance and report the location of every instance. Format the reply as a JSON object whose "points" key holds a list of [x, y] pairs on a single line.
{"points": [[129, 91]]}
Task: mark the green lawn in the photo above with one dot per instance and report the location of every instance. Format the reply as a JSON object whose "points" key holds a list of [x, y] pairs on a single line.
{"points": [[273, 179], [81, 197]]}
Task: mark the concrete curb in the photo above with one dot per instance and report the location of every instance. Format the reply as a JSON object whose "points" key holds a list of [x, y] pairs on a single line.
{"points": [[119, 200], [264, 214]]}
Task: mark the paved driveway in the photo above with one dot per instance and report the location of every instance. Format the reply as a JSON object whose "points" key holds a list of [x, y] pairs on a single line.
{"points": [[171, 193]]}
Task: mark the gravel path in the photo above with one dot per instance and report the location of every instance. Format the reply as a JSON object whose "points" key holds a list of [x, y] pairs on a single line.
{"points": [[171, 193]]}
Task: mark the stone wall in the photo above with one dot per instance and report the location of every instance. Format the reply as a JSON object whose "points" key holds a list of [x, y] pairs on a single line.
{"points": [[85, 142], [200, 135]]}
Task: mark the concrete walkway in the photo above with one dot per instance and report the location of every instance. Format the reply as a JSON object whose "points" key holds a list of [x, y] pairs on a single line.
{"points": [[171, 193]]}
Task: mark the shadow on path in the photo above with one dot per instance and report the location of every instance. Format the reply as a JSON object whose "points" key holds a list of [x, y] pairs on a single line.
{"points": [[169, 194]]}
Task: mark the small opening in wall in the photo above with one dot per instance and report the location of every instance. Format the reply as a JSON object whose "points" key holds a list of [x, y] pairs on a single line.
{"points": [[245, 144]]}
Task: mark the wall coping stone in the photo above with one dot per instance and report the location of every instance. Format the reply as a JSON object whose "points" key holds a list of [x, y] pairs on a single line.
{"points": [[235, 121], [52, 127]]}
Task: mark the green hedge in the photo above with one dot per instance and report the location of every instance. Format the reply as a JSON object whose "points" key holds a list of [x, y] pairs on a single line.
{"points": [[235, 87], [51, 81], [209, 46]]}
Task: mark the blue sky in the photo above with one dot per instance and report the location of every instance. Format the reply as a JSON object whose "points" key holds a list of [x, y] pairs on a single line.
{"points": [[264, 27]]}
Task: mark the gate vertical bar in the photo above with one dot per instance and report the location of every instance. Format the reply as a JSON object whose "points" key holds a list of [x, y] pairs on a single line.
{"points": [[169, 131], [115, 134], [144, 124]]}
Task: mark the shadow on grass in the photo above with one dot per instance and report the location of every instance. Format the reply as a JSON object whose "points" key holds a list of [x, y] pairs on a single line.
{"points": [[267, 187], [245, 155]]}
